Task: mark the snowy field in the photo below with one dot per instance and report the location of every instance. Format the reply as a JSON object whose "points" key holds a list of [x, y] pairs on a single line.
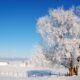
{"points": [[19, 71], [40, 78], [21, 74]]}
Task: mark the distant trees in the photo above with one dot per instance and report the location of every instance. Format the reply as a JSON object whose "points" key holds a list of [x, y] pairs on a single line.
{"points": [[60, 32]]}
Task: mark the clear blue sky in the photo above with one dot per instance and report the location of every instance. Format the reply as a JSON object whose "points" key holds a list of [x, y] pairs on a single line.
{"points": [[18, 18]]}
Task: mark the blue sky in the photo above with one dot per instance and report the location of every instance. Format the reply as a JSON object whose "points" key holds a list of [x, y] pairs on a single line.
{"points": [[18, 34]]}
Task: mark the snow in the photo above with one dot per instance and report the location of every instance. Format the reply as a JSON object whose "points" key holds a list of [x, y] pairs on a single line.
{"points": [[10, 72], [3, 63], [41, 78]]}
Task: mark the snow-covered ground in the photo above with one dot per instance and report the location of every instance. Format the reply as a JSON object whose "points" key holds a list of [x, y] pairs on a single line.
{"points": [[40, 78], [18, 71]]}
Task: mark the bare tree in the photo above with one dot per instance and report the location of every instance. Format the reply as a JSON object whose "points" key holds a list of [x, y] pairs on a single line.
{"points": [[60, 31]]}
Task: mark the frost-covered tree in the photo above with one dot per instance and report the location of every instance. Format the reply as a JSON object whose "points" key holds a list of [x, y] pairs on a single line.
{"points": [[60, 31], [38, 59]]}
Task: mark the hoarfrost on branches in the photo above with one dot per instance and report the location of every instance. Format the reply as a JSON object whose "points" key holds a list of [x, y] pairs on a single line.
{"points": [[38, 59], [60, 31]]}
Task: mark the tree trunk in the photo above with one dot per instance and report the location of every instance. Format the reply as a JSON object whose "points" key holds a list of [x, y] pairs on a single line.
{"points": [[73, 71]]}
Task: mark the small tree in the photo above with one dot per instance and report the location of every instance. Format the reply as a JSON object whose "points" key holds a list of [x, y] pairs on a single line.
{"points": [[60, 31], [38, 60]]}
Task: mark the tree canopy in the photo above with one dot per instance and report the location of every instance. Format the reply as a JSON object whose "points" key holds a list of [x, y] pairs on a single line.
{"points": [[60, 32]]}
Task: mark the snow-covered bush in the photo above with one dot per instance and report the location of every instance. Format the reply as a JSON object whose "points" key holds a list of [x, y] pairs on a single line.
{"points": [[38, 58]]}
